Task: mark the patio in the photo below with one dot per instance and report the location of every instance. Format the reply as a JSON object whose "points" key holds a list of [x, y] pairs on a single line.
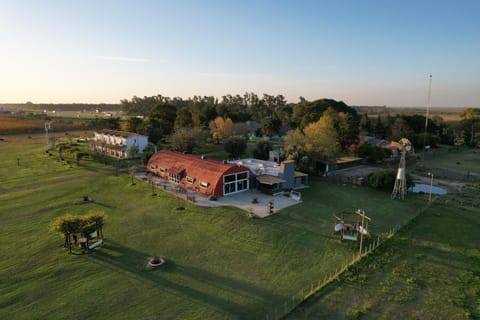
{"points": [[242, 200]]}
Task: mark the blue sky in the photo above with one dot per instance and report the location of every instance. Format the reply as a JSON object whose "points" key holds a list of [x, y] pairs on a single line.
{"points": [[361, 52]]}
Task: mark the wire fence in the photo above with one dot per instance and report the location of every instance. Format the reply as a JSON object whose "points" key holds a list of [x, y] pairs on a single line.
{"points": [[306, 292]]}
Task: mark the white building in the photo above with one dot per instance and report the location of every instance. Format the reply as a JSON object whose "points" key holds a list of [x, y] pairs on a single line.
{"points": [[272, 177], [119, 143]]}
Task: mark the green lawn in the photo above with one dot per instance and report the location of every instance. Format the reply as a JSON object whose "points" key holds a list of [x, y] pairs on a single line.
{"points": [[429, 270], [220, 264], [458, 164]]}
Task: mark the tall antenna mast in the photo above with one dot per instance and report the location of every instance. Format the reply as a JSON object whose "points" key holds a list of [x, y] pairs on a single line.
{"points": [[426, 115]]}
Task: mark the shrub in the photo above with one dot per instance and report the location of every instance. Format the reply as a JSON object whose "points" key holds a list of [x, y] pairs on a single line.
{"points": [[373, 153], [236, 146], [385, 179]]}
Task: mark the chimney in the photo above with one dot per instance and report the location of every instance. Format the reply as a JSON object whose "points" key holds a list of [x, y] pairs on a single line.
{"points": [[287, 173]]}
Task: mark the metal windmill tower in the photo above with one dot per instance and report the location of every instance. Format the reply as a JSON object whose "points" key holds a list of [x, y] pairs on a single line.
{"points": [[400, 187]]}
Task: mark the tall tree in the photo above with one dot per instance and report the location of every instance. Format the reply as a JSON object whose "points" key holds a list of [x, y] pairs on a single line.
{"points": [[221, 128], [186, 139], [365, 124], [235, 146], [470, 124], [321, 139], [183, 118], [271, 125], [163, 116]]}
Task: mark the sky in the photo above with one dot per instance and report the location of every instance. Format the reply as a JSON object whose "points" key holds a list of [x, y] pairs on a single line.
{"points": [[361, 52]]}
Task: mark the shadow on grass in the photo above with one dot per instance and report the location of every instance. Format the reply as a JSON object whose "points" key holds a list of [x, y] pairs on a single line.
{"points": [[134, 263]]}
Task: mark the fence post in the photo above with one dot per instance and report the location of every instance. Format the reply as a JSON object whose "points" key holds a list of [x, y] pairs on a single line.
{"points": [[276, 317], [285, 308]]}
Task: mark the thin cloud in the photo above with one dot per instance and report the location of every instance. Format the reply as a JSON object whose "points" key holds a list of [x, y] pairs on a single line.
{"points": [[122, 59], [251, 76]]}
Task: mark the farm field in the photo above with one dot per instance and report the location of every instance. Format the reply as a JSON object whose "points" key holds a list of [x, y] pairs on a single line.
{"points": [[459, 164], [429, 270], [220, 263]]}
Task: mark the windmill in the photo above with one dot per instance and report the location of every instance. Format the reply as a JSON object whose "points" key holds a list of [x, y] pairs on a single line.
{"points": [[400, 187]]}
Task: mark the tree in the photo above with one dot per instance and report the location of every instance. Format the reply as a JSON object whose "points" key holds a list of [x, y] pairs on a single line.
{"points": [[400, 129], [183, 118], [306, 112], [186, 139], [132, 151], [470, 124], [347, 129], [69, 225], [294, 149], [271, 125], [373, 153], [235, 146], [321, 139], [365, 124], [379, 130], [262, 150], [385, 179], [147, 153], [221, 128], [163, 116], [134, 124]]}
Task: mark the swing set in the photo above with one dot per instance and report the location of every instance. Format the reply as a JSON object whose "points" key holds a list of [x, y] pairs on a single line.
{"points": [[351, 226]]}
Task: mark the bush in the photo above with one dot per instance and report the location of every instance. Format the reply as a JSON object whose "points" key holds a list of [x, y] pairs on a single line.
{"points": [[385, 179], [262, 150], [374, 153], [236, 146]]}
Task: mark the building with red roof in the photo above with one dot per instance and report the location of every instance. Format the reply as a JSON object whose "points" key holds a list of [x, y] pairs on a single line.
{"points": [[207, 176]]}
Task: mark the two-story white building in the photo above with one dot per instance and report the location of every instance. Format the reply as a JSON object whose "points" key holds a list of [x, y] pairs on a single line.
{"points": [[119, 144]]}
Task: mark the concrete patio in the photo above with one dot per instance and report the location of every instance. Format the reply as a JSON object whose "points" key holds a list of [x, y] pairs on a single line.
{"points": [[242, 200]]}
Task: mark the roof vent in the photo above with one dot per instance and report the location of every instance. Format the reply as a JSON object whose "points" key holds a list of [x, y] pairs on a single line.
{"points": [[225, 161], [204, 156]]}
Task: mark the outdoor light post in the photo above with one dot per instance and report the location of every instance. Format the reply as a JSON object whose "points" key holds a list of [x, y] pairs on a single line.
{"points": [[431, 183]]}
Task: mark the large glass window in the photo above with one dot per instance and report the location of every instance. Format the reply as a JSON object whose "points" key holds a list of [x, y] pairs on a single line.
{"points": [[236, 182]]}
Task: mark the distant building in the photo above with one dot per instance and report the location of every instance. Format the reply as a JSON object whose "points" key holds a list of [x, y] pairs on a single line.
{"points": [[119, 143], [207, 176], [393, 146], [272, 177]]}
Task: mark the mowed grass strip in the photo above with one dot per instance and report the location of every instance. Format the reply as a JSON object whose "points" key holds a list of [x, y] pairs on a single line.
{"points": [[429, 270], [220, 263]]}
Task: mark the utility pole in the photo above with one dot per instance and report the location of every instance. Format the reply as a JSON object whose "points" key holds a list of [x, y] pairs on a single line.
{"points": [[426, 116]]}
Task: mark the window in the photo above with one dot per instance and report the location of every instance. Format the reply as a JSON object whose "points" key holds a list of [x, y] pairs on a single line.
{"points": [[175, 178], [190, 180], [236, 182], [163, 170], [153, 166], [243, 175], [204, 184], [229, 178]]}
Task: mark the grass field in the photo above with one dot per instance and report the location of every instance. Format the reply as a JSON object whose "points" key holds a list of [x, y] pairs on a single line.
{"points": [[220, 264], [457, 164], [429, 270]]}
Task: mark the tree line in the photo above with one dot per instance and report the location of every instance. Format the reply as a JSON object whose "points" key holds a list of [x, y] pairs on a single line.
{"points": [[312, 130]]}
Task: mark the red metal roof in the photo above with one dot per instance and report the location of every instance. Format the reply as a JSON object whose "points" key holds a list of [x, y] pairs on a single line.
{"points": [[202, 170]]}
